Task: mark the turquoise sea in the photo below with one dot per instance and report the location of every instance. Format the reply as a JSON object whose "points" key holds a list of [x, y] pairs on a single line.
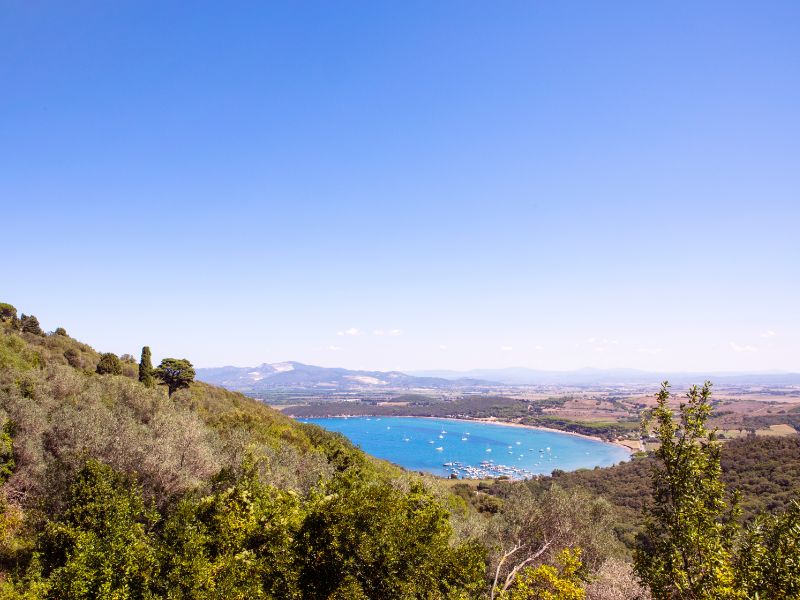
{"points": [[472, 448]]}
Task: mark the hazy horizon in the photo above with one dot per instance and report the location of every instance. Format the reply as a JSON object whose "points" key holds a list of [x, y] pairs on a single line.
{"points": [[407, 187]]}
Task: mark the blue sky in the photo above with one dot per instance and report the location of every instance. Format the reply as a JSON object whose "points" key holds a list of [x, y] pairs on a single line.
{"points": [[407, 185]]}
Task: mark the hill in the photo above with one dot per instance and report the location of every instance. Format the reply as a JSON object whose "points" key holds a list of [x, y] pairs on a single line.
{"points": [[298, 376], [764, 470], [110, 488]]}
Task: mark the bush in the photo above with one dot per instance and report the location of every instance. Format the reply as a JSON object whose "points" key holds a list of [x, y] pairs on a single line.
{"points": [[109, 364]]}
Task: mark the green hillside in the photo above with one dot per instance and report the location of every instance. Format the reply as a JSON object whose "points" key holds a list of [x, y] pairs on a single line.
{"points": [[765, 471], [113, 489]]}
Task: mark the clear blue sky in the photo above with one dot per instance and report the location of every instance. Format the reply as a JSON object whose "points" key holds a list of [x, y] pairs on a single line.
{"points": [[551, 185]]}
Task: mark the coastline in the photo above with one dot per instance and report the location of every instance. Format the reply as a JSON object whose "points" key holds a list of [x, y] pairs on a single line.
{"points": [[486, 420], [496, 421]]}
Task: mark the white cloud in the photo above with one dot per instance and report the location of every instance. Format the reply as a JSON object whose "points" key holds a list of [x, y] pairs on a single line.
{"points": [[768, 334], [737, 348], [392, 332], [334, 348], [350, 331], [649, 350], [506, 348]]}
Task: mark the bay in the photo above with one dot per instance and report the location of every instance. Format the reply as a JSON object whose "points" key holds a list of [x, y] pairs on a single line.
{"points": [[472, 448]]}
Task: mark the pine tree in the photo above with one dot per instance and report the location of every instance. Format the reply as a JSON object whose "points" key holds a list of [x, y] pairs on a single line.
{"points": [[146, 368], [30, 324], [175, 373]]}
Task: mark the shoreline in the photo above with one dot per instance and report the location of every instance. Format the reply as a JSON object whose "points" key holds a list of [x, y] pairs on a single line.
{"points": [[486, 420], [496, 421]]}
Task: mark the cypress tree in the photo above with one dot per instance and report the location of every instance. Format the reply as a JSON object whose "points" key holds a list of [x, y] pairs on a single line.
{"points": [[146, 368]]}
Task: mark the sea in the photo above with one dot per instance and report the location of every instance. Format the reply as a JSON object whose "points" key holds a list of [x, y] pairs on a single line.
{"points": [[472, 449]]}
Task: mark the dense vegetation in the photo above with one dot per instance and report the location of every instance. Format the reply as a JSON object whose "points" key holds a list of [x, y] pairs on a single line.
{"points": [[764, 470], [125, 480]]}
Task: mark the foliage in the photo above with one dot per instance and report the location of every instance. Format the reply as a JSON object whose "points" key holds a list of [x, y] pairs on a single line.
{"points": [[146, 368], [548, 582], [60, 331], [687, 546], [769, 559], [109, 364], [16, 355], [235, 543], [7, 312], [384, 542], [534, 530], [764, 470], [7, 462], [30, 324], [101, 545], [175, 373]]}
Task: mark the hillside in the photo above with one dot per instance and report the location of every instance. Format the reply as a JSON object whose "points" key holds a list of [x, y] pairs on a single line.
{"points": [[111, 488], [764, 470]]}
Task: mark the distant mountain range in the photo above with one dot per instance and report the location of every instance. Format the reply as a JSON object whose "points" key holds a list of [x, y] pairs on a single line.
{"points": [[295, 375], [588, 376]]}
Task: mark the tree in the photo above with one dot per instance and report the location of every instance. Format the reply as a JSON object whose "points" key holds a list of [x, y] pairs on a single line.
{"points": [[7, 312], [234, 543], [769, 558], [109, 364], [146, 368], [30, 324], [687, 548], [532, 531], [175, 373], [100, 546], [547, 582], [367, 539], [60, 331]]}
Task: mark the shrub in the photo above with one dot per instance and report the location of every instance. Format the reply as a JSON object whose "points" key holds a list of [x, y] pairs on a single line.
{"points": [[109, 364]]}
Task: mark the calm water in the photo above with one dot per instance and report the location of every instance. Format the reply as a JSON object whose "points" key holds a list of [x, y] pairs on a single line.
{"points": [[426, 444]]}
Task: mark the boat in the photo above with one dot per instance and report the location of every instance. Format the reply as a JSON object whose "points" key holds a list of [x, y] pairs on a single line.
{"points": [[439, 449], [463, 439]]}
